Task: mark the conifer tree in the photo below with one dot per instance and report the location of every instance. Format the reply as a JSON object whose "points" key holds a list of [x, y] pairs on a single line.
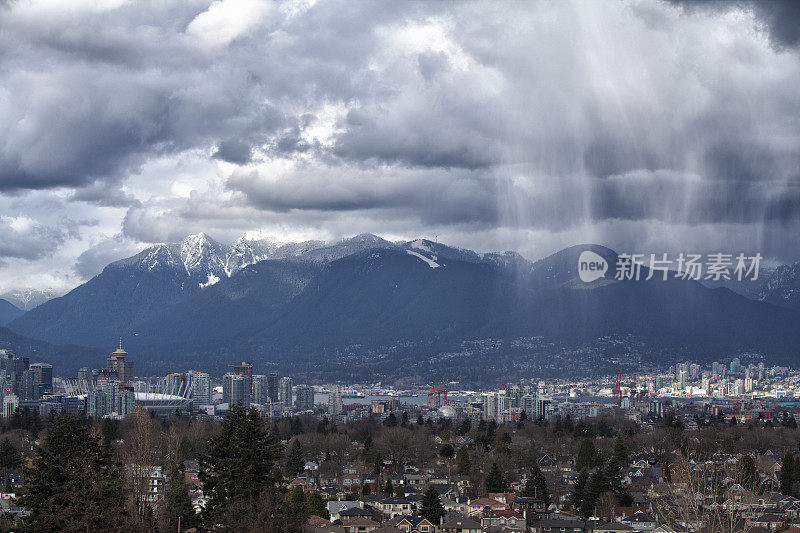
{"points": [[464, 464], [587, 455], [295, 463], [787, 474], [388, 489], [73, 484], [400, 492], [495, 481], [536, 486], [432, 508], [746, 473], [620, 455], [317, 507], [296, 503], [177, 503], [9, 457], [238, 467]]}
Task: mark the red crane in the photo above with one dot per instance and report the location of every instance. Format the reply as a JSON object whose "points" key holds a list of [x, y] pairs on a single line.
{"points": [[436, 394], [616, 392], [441, 395]]}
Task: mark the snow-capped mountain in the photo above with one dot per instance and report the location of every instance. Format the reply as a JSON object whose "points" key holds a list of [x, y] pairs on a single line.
{"points": [[27, 299], [782, 287]]}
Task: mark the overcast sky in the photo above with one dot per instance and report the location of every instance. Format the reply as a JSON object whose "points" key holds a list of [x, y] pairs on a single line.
{"points": [[648, 126]]}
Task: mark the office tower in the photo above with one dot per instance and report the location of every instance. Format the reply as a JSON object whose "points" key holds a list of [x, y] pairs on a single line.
{"points": [[29, 386], [304, 400], [335, 406], [272, 383], [236, 389], [117, 367], [260, 389], [245, 368], [96, 403], [285, 392], [10, 404], [200, 388], [44, 375], [84, 376], [120, 399]]}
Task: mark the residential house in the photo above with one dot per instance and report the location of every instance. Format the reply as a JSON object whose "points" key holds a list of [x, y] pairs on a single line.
{"points": [[414, 524], [640, 522], [551, 525], [507, 518], [392, 507], [461, 525], [360, 525], [478, 506]]}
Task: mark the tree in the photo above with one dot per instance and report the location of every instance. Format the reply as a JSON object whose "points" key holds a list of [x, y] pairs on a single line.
{"points": [[377, 465], [420, 420], [587, 455], [399, 492], [536, 486], [317, 507], [73, 484], [404, 419], [620, 455], [388, 489], [390, 421], [238, 467], [787, 475], [432, 508], [295, 463], [495, 481], [9, 457], [178, 504], [746, 473], [447, 451], [464, 464], [591, 494], [576, 498], [296, 502]]}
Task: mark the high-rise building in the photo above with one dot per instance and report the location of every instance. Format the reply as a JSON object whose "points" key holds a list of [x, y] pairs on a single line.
{"points": [[44, 374], [84, 376], [120, 398], [236, 389], [10, 404], [200, 388], [285, 392], [245, 368], [29, 386], [117, 367], [96, 403], [272, 384], [260, 389], [335, 406], [304, 398]]}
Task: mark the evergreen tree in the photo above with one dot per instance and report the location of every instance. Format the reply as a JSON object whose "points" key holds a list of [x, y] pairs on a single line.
{"points": [[377, 465], [73, 484], [495, 481], [390, 421], [365, 490], [576, 498], [177, 503], [587, 455], [400, 492], [787, 474], [9, 457], [296, 503], [465, 426], [295, 463], [536, 486], [367, 444], [420, 420], [594, 488], [238, 467], [432, 508], [388, 489], [447, 451], [620, 455], [404, 419], [746, 473], [464, 464], [317, 507]]}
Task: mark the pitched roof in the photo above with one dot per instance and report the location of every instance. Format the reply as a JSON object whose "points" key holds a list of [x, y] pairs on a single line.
{"points": [[461, 523]]}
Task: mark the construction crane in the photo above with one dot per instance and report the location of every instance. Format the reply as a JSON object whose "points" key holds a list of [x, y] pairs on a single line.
{"points": [[616, 392]]}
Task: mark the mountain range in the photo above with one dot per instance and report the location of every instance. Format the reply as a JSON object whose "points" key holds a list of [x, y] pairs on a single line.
{"points": [[201, 302]]}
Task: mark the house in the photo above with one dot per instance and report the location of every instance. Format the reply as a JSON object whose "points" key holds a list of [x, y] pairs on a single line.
{"points": [[511, 520], [393, 507], [769, 521], [640, 522], [608, 527], [360, 525], [414, 524], [531, 508], [354, 512], [481, 505], [550, 525], [336, 507], [461, 525]]}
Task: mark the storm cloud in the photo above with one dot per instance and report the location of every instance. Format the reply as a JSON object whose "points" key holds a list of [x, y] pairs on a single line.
{"points": [[530, 126]]}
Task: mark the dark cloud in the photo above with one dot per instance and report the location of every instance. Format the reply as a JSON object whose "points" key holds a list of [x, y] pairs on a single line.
{"points": [[24, 238], [234, 151], [781, 18]]}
